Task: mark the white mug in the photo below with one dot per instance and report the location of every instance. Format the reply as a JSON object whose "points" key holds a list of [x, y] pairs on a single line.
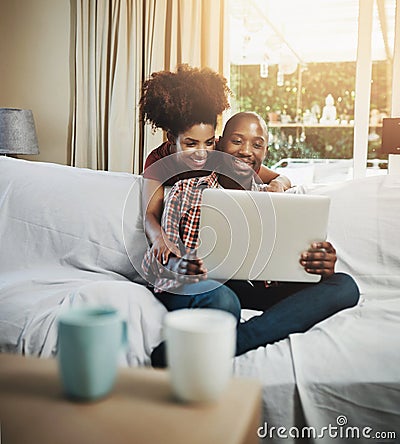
{"points": [[200, 345]]}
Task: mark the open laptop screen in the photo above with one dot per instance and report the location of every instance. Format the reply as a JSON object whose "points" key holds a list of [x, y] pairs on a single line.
{"points": [[259, 235]]}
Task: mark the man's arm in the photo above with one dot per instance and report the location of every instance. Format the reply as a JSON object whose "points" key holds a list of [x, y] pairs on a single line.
{"points": [[276, 182]]}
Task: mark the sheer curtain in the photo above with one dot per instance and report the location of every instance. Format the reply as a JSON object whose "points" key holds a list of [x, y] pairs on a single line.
{"points": [[107, 71], [116, 45]]}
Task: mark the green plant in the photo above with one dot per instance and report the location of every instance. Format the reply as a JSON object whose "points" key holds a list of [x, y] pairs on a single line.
{"points": [[262, 95]]}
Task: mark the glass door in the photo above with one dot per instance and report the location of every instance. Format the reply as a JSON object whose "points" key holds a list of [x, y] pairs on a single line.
{"points": [[295, 63]]}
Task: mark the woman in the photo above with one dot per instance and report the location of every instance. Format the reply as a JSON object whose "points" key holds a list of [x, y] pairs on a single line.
{"points": [[185, 104]]}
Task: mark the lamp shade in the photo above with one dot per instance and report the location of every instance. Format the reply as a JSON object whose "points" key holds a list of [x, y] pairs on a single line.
{"points": [[17, 132]]}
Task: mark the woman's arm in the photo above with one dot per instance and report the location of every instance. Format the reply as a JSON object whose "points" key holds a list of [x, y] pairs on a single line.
{"points": [[275, 181], [184, 269], [153, 204], [188, 268]]}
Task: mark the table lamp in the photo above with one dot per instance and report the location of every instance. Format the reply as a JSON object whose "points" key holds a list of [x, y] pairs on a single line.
{"points": [[17, 132]]}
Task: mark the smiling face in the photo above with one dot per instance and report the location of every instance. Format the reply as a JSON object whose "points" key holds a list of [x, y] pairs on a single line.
{"points": [[245, 138], [193, 145]]}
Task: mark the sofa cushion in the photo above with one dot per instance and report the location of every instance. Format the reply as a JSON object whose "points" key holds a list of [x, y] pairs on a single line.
{"points": [[364, 228], [72, 216]]}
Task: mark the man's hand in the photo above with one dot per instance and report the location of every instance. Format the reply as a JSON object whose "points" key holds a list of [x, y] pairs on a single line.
{"points": [[275, 186], [320, 259]]}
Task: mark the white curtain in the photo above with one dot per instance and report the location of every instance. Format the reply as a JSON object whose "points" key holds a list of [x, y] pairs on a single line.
{"points": [[118, 44]]}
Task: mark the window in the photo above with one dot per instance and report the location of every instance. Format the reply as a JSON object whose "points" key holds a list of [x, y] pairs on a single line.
{"points": [[295, 63]]}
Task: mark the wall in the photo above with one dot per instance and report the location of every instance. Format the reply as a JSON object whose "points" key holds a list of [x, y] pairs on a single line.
{"points": [[34, 69]]}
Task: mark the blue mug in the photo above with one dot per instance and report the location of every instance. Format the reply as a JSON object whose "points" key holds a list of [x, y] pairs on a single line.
{"points": [[89, 342]]}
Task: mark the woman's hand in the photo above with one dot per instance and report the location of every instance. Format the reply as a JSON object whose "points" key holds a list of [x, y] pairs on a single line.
{"points": [[320, 259], [187, 269], [162, 248]]}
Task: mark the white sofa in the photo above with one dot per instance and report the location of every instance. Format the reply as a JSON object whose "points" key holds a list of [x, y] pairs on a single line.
{"points": [[70, 236], [65, 236]]}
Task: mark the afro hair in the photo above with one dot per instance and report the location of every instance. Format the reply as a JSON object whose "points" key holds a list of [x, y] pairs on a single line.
{"points": [[175, 101]]}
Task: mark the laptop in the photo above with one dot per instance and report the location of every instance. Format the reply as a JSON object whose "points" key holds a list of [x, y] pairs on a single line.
{"points": [[253, 235]]}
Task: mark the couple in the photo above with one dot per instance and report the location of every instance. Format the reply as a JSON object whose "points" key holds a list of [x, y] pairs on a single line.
{"points": [[180, 280]]}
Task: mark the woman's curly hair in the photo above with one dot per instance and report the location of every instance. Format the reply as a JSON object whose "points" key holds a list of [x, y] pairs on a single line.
{"points": [[175, 101]]}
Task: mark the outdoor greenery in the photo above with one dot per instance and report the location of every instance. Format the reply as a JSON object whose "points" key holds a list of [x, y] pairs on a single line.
{"points": [[254, 93]]}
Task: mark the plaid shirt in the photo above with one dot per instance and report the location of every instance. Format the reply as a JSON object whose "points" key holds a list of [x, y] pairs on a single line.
{"points": [[180, 221]]}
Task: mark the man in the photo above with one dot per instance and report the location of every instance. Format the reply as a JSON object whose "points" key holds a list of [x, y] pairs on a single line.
{"points": [[182, 283]]}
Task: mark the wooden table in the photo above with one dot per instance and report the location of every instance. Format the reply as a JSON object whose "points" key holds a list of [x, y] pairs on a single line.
{"points": [[140, 409]]}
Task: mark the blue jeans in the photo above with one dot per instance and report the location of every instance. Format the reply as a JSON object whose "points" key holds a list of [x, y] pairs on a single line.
{"points": [[287, 308], [295, 308], [203, 294]]}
